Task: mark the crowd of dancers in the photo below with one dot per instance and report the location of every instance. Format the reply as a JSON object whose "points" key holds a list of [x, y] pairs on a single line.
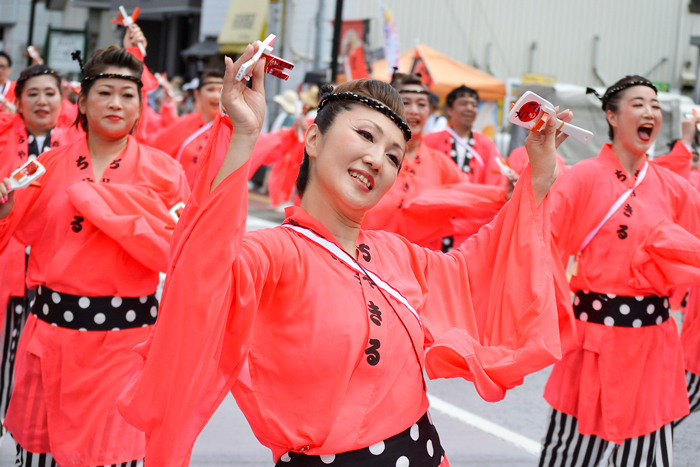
{"points": [[402, 252]]}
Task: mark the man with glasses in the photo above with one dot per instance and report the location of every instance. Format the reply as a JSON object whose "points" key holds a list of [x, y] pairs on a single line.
{"points": [[7, 87]]}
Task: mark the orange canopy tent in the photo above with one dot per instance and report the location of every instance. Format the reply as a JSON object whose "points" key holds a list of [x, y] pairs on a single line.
{"points": [[444, 72]]}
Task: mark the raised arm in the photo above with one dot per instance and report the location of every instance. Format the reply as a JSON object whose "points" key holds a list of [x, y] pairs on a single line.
{"points": [[215, 281], [246, 109]]}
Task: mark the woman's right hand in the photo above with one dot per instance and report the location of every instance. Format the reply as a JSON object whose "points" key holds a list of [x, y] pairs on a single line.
{"points": [[245, 106], [7, 199]]}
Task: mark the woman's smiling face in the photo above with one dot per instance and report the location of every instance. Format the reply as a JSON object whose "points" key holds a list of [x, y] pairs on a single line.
{"points": [[357, 160]]}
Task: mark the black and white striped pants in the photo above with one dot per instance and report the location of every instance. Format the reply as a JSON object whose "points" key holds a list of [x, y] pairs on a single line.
{"points": [[564, 446], [693, 382], [15, 318], [29, 459]]}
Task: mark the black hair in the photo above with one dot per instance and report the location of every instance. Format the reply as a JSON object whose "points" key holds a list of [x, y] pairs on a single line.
{"points": [[7, 56], [405, 79], [611, 99], [374, 89], [209, 73], [103, 59], [461, 92], [33, 71]]}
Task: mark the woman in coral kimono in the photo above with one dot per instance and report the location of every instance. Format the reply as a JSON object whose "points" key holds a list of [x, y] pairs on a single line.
{"points": [[185, 139], [99, 230], [632, 227], [320, 329], [23, 137], [429, 185]]}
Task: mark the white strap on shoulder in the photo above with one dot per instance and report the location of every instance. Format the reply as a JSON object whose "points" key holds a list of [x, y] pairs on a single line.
{"points": [[191, 138], [615, 207], [463, 142], [350, 261]]}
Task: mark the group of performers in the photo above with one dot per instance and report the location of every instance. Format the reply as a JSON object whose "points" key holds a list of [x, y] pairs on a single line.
{"points": [[402, 252]]}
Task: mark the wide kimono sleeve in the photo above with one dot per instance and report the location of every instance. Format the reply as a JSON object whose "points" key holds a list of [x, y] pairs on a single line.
{"points": [[678, 161], [26, 219], [670, 254], [490, 305], [215, 280], [137, 215]]}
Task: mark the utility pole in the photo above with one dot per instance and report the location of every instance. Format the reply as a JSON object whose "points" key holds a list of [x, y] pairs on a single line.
{"points": [[319, 34], [30, 37], [336, 38]]}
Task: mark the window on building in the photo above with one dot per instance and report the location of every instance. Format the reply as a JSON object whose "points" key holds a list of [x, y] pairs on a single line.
{"points": [[694, 6]]}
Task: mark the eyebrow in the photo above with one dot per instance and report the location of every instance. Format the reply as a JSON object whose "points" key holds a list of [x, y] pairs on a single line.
{"points": [[380, 131], [111, 86], [641, 99]]}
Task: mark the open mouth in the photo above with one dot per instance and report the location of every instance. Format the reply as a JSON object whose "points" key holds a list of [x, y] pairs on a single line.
{"points": [[645, 131], [362, 179]]}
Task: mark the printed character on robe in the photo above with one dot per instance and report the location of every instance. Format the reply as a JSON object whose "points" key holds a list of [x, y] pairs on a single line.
{"points": [[23, 137], [633, 228], [362, 311], [472, 151], [99, 229], [7, 87], [185, 139], [430, 186]]}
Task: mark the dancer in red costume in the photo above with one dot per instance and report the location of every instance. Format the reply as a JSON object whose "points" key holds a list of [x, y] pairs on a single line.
{"points": [[185, 139], [99, 229], [23, 137], [360, 313], [403, 209], [633, 229], [690, 341], [472, 151]]}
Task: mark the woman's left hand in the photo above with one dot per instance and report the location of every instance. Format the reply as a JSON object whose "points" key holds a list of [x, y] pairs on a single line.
{"points": [[542, 150], [689, 126]]}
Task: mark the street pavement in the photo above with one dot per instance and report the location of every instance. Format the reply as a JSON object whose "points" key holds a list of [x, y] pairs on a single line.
{"points": [[228, 441]]}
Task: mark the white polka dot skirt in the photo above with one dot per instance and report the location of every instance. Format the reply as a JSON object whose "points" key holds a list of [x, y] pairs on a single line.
{"points": [[417, 446], [618, 310], [94, 313]]}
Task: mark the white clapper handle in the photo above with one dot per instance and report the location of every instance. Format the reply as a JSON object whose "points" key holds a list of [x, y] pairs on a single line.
{"points": [[579, 134], [128, 22]]}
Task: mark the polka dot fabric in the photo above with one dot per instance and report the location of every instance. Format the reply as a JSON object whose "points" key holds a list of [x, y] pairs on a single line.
{"points": [[417, 446], [94, 313], [616, 310]]}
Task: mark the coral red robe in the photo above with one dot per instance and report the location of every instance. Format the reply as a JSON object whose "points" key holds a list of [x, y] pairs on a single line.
{"points": [[487, 173], [184, 141], [623, 382], [239, 307], [13, 153], [432, 199], [88, 238]]}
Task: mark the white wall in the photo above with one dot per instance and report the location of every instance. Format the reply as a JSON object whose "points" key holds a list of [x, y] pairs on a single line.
{"points": [[633, 34]]}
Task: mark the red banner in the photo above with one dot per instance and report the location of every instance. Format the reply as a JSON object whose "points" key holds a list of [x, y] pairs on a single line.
{"points": [[357, 65]]}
